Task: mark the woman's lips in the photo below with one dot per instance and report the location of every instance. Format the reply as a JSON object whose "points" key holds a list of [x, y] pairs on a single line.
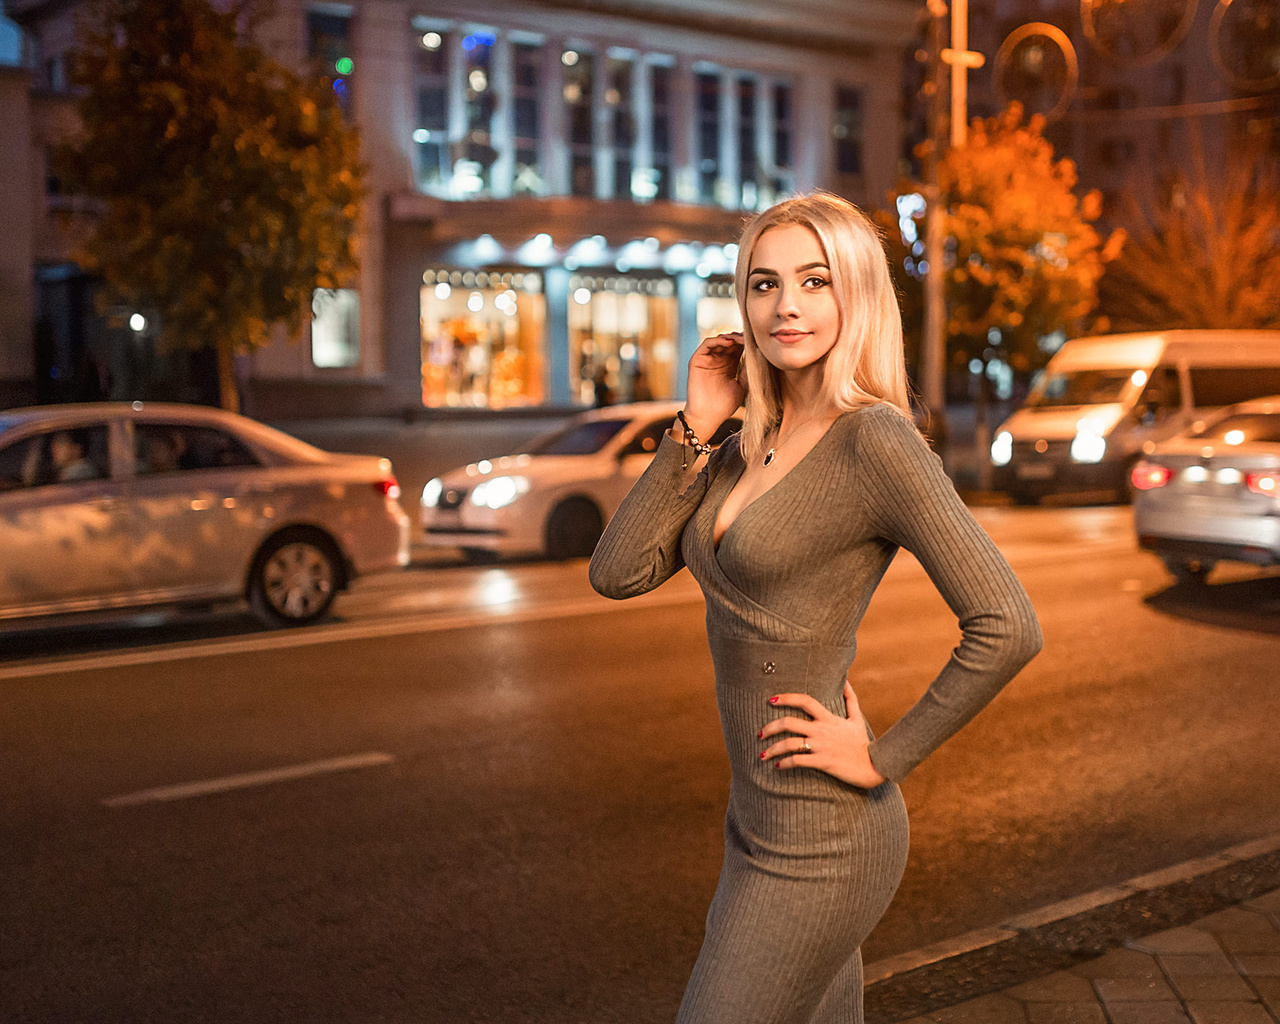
{"points": [[790, 336]]}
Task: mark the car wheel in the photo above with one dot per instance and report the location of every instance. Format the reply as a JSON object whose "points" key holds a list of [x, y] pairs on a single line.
{"points": [[573, 529], [479, 556], [295, 578], [1192, 572]]}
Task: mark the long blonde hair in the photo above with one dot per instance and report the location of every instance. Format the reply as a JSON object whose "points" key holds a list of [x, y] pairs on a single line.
{"points": [[867, 364]]}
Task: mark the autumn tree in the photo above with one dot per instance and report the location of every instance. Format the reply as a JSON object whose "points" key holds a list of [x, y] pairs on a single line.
{"points": [[1022, 258], [1202, 255], [229, 186]]}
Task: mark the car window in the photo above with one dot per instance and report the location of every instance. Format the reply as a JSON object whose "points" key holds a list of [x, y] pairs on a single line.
{"points": [[66, 455], [1242, 428], [577, 439], [180, 447], [1079, 387], [1221, 385], [647, 439]]}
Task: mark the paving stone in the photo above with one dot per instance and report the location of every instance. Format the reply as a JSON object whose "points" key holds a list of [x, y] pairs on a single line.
{"points": [[1268, 904], [993, 1009], [1261, 966], [1169, 1012], [1179, 965], [1250, 943], [1176, 940], [1120, 963], [1213, 987], [1124, 990], [1065, 1013], [1232, 1012], [1060, 987], [1234, 919]]}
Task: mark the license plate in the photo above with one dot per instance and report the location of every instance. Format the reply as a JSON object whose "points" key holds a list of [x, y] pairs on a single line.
{"points": [[1034, 470]]}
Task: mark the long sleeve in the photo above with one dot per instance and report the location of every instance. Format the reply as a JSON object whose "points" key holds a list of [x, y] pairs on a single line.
{"points": [[640, 547], [911, 502]]}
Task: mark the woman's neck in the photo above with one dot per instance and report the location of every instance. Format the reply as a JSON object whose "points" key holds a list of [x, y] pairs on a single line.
{"points": [[803, 398]]}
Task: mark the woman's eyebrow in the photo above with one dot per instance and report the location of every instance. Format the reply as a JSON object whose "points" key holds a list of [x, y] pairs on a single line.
{"points": [[800, 269]]}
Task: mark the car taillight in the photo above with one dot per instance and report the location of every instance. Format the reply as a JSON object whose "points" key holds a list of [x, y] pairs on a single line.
{"points": [[1264, 483], [388, 487], [1147, 476]]}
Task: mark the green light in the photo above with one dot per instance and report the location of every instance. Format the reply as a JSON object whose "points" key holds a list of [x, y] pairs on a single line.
{"points": [[344, 65]]}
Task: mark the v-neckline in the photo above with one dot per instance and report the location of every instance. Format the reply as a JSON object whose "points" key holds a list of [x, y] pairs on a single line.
{"points": [[715, 544]]}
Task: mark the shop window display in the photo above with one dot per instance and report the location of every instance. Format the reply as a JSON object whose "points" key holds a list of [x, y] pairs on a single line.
{"points": [[482, 338], [622, 338]]}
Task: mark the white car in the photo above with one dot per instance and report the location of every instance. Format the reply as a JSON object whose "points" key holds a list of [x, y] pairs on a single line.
{"points": [[1212, 493], [556, 497], [118, 505]]}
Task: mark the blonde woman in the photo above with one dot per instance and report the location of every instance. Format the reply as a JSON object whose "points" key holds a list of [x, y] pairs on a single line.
{"points": [[788, 527]]}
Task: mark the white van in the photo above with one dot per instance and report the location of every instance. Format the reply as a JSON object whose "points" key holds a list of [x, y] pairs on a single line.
{"points": [[1101, 399]]}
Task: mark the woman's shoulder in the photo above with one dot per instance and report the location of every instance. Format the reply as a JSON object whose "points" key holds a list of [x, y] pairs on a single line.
{"points": [[879, 423]]}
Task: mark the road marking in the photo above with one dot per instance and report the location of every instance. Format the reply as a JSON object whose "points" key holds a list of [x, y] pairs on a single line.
{"points": [[186, 790]]}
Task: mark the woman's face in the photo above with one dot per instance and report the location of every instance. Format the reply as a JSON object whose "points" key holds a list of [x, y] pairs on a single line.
{"points": [[791, 304]]}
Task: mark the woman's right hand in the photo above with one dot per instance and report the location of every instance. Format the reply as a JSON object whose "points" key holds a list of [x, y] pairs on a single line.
{"points": [[714, 391]]}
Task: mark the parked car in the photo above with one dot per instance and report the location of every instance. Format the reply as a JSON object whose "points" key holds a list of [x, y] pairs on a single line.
{"points": [[555, 497], [1212, 493], [1102, 399], [118, 505]]}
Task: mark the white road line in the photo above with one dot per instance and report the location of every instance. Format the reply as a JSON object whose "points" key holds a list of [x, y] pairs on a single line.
{"points": [[186, 790]]}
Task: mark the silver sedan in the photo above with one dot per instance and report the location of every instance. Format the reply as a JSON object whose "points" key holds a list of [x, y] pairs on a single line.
{"points": [[118, 505], [1212, 493]]}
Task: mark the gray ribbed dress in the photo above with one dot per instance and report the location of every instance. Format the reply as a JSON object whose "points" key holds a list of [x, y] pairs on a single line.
{"points": [[811, 862]]}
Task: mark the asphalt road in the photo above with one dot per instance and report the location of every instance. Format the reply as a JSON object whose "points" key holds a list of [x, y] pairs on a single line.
{"points": [[528, 823]]}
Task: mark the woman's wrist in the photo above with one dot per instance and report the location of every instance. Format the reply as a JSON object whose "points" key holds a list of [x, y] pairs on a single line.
{"points": [[698, 423]]}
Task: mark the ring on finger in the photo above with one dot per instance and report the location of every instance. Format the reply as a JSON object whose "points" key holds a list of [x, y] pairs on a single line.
{"points": [[806, 749]]}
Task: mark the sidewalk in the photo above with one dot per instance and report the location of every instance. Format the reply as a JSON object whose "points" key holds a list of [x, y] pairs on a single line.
{"points": [[1221, 967]]}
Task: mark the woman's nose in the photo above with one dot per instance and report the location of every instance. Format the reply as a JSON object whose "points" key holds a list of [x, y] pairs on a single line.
{"points": [[788, 301]]}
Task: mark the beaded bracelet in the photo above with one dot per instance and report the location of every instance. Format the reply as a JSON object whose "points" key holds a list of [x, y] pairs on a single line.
{"points": [[690, 439]]}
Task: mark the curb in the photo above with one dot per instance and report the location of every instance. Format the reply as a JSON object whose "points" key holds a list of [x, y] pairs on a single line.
{"points": [[1039, 941]]}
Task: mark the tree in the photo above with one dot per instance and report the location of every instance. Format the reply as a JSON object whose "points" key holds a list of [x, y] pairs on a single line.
{"points": [[1023, 258], [1202, 256], [229, 186]]}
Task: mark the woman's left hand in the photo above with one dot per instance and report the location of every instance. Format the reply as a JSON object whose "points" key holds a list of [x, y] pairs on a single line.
{"points": [[827, 742]]}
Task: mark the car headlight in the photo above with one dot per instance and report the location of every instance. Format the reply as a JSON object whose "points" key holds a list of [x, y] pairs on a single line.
{"points": [[432, 491], [499, 491], [1002, 449], [1088, 447]]}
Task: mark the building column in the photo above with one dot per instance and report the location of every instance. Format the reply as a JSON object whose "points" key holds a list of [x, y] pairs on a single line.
{"points": [[456, 70], [728, 186], [553, 153], [601, 125], [555, 290], [642, 120], [502, 126], [688, 292]]}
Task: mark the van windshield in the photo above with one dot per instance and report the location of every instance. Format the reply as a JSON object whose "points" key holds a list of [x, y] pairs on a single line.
{"points": [[1079, 387]]}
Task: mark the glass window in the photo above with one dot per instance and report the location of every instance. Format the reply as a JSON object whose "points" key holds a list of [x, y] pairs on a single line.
{"points": [[660, 90], [68, 455], [473, 172], [329, 45], [647, 439], [1226, 385], [335, 327], [181, 447], [847, 129], [482, 338], [782, 134], [1080, 387], [579, 83], [527, 59], [430, 134], [708, 92], [579, 439], [618, 98], [622, 333], [748, 165]]}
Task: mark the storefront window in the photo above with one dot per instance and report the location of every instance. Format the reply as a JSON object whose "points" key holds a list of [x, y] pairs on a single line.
{"points": [[335, 327], [717, 308], [482, 338], [622, 338]]}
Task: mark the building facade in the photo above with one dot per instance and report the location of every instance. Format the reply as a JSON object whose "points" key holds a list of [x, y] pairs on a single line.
{"points": [[554, 188]]}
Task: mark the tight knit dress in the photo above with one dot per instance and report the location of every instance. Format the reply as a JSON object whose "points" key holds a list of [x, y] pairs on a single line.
{"points": [[811, 862]]}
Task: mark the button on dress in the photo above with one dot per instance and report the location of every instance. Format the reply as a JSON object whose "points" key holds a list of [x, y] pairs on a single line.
{"points": [[812, 862]]}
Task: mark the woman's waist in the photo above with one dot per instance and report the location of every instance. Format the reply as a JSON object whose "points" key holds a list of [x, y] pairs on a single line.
{"points": [[779, 666]]}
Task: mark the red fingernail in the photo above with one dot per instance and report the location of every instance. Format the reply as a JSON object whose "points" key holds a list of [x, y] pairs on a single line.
{"points": [[773, 700], [762, 755], [760, 735]]}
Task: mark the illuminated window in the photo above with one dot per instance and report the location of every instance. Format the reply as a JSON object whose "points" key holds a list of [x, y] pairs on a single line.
{"points": [[430, 134], [708, 92], [335, 327], [847, 130], [618, 98], [660, 92], [527, 60], [782, 134], [329, 46], [579, 85], [622, 338]]}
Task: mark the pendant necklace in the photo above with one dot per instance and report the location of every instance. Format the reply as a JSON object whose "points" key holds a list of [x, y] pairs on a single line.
{"points": [[768, 456]]}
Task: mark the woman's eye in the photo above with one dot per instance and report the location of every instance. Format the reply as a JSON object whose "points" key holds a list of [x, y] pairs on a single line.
{"points": [[763, 286], [817, 282]]}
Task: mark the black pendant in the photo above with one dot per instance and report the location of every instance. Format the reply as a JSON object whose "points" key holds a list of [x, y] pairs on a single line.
{"points": [[768, 458]]}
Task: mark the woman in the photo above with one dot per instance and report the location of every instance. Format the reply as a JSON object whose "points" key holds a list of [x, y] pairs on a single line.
{"points": [[788, 528]]}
